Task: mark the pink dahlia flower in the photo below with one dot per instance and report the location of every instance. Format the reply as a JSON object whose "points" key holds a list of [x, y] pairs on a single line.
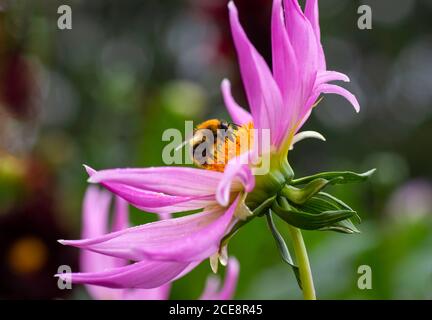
{"points": [[280, 101]]}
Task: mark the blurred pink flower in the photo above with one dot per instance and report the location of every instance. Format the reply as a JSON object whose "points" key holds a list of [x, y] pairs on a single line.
{"points": [[96, 223]]}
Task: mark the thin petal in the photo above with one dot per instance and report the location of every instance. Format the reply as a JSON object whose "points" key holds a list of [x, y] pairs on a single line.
{"points": [[121, 215], [144, 274], [236, 169], [162, 190], [238, 115], [306, 135], [95, 223], [312, 14], [175, 181], [331, 88], [191, 205], [284, 68], [304, 42], [328, 76], [262, 92], [95, 212], [211, 288], [144, 199]]}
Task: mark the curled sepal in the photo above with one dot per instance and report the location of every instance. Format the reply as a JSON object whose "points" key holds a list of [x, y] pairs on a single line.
{"points": [[336, 177], [307, 220], [301, 195], [282, 247], [322, 202]]}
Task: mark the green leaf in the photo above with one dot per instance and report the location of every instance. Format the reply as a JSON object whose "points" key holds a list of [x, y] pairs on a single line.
{"points": [[309, 221], [283, 248], [336, 177]]}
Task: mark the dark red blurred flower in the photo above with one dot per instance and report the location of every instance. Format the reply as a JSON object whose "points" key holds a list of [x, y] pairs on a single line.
{"points": [[18, 90], [255, 18], [29, 229]]}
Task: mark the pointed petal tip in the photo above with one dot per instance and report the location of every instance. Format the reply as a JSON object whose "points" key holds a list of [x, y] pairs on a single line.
{"points": [[73, 243], [90, 171], [370, 172], [356, 106], [225, 84]]}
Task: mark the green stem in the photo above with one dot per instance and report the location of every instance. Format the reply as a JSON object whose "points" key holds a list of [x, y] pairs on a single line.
{"points": [[303, 263]]}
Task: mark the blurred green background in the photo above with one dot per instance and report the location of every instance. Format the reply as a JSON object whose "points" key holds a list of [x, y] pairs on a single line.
{"points": [[103, 93]]}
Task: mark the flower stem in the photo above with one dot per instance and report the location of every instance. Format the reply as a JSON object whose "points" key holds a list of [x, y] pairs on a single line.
{"points": [[303, 263]]}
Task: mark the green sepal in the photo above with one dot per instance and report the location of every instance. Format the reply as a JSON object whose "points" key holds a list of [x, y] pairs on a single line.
{"points": [[336, 177], [325, 202], [282, 247], [301, 195], [309, 221], [344, 226]]}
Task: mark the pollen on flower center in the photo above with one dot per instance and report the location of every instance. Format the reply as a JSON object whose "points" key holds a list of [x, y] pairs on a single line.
{"points": [[216, 142]]}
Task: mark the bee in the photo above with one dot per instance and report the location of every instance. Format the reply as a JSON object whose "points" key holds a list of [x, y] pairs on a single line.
{"points": [[216, 141]]}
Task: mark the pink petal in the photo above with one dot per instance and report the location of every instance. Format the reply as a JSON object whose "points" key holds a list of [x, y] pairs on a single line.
{"points": [[95, 212], [262, 92], [331, 88], [304, 43], [236, 169], [144, 275], [174, 181], [212, 290], [162, 190], [312, 14], [191, 238], [144, 199], [238, 115], [284, 69], [328, 76], [121, 216], [95, 223], [191, 205]]}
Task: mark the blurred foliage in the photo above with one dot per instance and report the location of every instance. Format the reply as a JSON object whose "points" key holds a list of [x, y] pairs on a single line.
{"points": [[103, 93]]}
